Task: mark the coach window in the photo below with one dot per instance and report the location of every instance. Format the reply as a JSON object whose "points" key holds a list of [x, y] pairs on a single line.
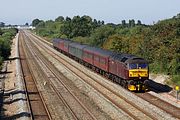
{"points": [[90, 56], [85, 54], [65, 45], [102, 61], [96, 58]]}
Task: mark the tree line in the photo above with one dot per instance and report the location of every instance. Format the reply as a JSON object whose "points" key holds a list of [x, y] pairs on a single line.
{"points": [[158, 43], [6, 36]]}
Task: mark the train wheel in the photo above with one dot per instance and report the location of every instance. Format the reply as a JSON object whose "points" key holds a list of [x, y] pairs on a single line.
{"points": [[119, 81], [125, 84]]}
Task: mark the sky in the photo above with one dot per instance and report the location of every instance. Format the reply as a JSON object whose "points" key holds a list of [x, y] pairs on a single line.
{"points": [[111, 11]]}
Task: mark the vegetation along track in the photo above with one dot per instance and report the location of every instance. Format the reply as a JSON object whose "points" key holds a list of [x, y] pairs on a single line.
{"points": [[75, 106], [36, 103], [128, 107], [168, 108]]}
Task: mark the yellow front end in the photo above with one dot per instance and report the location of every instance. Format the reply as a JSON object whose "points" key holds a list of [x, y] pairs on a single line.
{"points": [[138, 73]]}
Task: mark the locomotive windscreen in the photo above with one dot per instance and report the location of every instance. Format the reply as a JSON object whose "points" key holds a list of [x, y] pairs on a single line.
{"points": [[138, 66]]}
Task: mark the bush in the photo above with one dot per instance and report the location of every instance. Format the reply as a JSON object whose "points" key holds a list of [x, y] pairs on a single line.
{"points": [[5, 43], [176, 79], [1, 60]]}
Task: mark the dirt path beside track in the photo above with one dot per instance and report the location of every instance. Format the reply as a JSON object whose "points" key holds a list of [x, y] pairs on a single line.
{"points": [[9, 106]]}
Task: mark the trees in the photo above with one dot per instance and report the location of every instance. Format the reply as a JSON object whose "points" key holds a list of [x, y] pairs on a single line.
{"points": [[35, 22], [2, 24], [132, 23], [5, 48], [1, 32], [115, 43], [26, 24], [124, 23], [79, 26], [59, 19], [178, 15], [66, 28], [152, 42], [70, 28], [100, 34], [5, 43], [139, 22]]}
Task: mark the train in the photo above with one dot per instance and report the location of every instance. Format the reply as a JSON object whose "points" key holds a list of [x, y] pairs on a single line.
{"points": [[128, 70]]}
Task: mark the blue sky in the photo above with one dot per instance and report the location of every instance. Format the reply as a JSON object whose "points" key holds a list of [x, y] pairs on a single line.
{"points": [[111, 11]]}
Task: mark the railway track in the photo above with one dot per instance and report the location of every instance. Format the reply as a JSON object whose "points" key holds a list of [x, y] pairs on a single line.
{"points": [[168, 108], [36, 104], [77, 109], [53, 104], [128, 107]]}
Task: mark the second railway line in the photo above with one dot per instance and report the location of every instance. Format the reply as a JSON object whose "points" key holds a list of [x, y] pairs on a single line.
{"points": [[37, 107], [160, 114], [76, 109], [75, 106]]}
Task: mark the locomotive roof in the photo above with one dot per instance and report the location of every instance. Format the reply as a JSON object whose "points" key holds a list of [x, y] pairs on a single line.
{"points": [[57, 39], [128, 58], [122, 57], [136, 60], [100, 51], [61, 39], [67, 41], [77, 45]]}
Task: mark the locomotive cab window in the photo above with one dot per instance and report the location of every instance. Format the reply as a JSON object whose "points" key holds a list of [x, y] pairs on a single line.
{"points": [[132, 66], [138, 66], [143, 66]]}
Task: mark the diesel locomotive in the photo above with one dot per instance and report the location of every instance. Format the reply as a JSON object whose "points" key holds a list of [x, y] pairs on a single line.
{"points": [[128, 70]]}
